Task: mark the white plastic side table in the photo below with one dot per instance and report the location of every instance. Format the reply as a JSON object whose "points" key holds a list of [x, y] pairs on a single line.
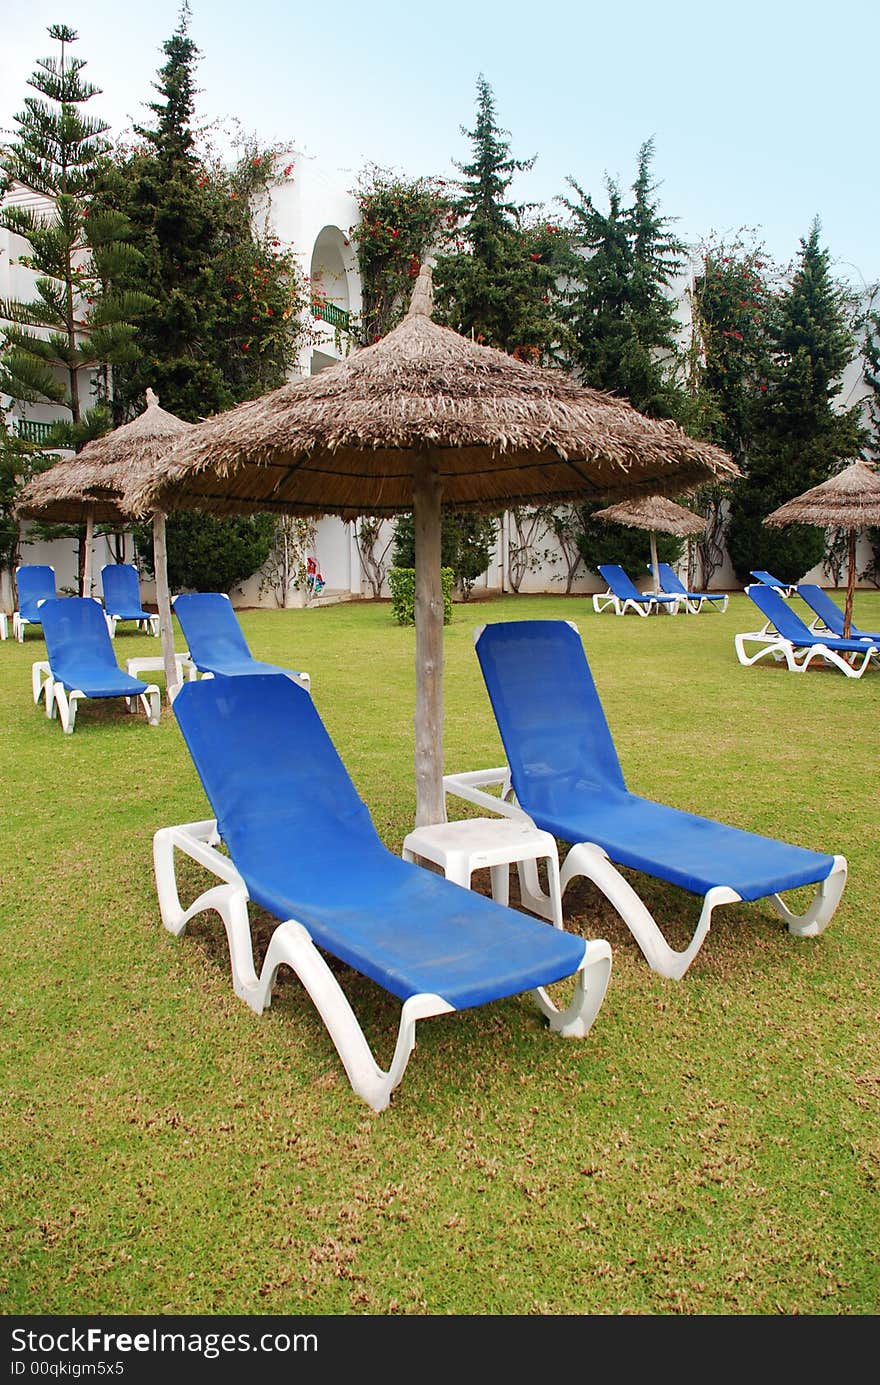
{"points": [[156, 664], [462, 847]]}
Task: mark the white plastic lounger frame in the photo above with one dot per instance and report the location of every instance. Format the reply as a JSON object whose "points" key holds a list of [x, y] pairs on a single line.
{"points": [[695, 601], [41, 684], [150, 623], [772, 645], [589, 860], [4, 626], [647, 607], [291, 945], [66, 703]]}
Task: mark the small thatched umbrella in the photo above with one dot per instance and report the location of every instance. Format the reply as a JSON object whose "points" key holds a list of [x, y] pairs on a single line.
{"points": [[658, 515], [421, 419], [94, 485], [849, 500]]}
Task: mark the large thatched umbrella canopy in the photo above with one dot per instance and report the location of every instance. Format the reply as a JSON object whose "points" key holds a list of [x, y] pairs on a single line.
{"points": [[422, 419], [92, 487], [849, 500], [658, 515]]}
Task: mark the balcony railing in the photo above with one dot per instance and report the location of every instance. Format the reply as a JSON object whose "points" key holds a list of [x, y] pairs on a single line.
{"points": [[32, 431], [333, 316]]}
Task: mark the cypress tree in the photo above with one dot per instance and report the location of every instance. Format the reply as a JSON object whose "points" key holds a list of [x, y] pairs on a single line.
{"points": [[801, 434], [499, 285], [225, 324], [619, 311], [872, 380]]}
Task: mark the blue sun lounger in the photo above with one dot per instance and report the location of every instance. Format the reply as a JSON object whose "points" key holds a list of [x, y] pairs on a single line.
{"points": [[563, 772], [828, 617], [122, 598], [693, 602], [214, 638], [301, 845], [767, 579], [82, 663], [785, 638], [36, 583], [623, 595]]}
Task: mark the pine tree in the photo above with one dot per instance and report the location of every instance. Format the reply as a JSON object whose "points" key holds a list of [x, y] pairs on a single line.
{"points": [[801, 435], [499, 285], [82, 320], [872, 380], [227, 300], [620, 313]]}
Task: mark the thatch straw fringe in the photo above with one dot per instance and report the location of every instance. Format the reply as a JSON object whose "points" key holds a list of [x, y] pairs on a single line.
{"points": [[848, 500], [97, 477], [656, 513], [503, 432]]}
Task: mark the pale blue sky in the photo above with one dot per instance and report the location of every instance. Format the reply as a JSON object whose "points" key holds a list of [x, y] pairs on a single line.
{"points": [[763, 114]]}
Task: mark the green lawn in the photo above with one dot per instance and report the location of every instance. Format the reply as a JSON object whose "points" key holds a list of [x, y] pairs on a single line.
{"points": [[711, 1147]]}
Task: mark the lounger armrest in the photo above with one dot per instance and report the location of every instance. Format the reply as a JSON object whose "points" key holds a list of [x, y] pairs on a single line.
{"points": [[470, 785]]}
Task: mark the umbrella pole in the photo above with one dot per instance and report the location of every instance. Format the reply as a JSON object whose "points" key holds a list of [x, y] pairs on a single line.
{"points": [[87, 551], [163, 601], [655, 567], [850, 584], [430, 799]]}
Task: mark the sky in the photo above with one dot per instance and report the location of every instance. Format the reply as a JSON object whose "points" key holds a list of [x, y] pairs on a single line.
{"points": [[763, 115]]}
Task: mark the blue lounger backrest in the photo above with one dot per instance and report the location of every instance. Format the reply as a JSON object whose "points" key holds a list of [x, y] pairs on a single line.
{"points": [[272, 775], [777, 609], [822, 605], [80, 649], [768, 580], [551, 721], [121, 588], [35, 582], [210, 627], [619, 582], [669, 581]]}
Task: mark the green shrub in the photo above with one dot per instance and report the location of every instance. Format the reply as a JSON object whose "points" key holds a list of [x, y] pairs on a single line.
{"points": [[206, 554], [402, 581]]}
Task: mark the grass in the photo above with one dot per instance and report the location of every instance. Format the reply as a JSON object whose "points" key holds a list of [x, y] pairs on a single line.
{"points": [[712, 1146]]}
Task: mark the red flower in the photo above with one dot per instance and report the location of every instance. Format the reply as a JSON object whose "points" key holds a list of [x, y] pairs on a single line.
{"points": [[535, 255], [245, 346], [288, 170], [255, 163]]}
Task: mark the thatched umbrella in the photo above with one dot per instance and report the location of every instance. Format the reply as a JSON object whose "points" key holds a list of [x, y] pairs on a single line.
{"points": [[94, 485], [849, 500], [658, 515], [421, 419]]}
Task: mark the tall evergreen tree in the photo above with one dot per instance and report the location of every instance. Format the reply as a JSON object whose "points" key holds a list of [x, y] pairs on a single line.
{"points": [[801, 434], [499, 284], [82, 319], [872, 370], [872, 380], [620, 311], [227, 299]]}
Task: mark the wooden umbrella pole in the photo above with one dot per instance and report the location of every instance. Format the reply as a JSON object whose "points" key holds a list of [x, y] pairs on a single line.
{"points": [[87, 551], [655, 567], [850, 584], [163, 601], [427, 499]]}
